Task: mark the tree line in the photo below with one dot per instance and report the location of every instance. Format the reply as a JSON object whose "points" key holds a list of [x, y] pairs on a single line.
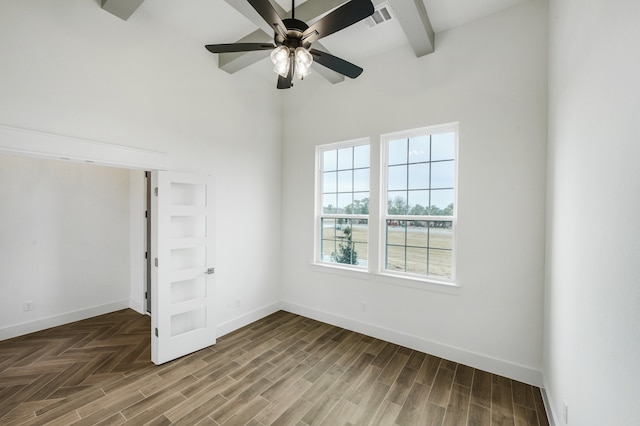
{"points": [[396, 206]]}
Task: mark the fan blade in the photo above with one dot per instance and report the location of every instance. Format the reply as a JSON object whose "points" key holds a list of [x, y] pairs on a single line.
{"points": [[344, 16], [338, 65], [285, 82], [238, 47], [269, 14]]}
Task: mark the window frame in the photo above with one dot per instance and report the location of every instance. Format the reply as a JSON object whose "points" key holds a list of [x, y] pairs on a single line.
{"points": [[375, 269], [318, 208], [383, 214]]}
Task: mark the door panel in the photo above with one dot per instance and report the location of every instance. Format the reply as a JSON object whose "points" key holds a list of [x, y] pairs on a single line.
{"points": [[182, 315]]}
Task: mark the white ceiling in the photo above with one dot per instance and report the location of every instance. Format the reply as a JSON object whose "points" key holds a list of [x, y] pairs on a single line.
{"points": [[215, 21]]}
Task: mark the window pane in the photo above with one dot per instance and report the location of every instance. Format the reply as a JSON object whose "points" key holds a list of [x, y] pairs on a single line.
{"points": [[360, 238], [345, 247], [395, 259], [443, 146], [345, 181], [329, 160], [419, 176], [345, 241], [345, 158], [360, 203], [419, 149], [361, 180], [344, 200], [417, 234], [397, 152], [411, 248], [328, 247], [397, 202], [396, 250], [329, 203], [329, 182], [440, 234], [396, 232], [361, 156], [328, 229], [418, 202], [397, 178], [441, 202], [443, 174], [440, 263], [417, 260]]}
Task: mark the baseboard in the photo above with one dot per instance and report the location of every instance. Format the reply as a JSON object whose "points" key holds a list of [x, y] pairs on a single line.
{"points": [[137, 306], [60, 319], [483, 362], [246, 319], [546, 398]]}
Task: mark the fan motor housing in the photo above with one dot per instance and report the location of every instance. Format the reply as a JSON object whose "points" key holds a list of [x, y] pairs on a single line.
{"points": [[295, 28]]}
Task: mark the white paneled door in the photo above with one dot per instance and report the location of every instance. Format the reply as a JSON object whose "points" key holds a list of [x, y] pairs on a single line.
{"points": [[182, 274]]}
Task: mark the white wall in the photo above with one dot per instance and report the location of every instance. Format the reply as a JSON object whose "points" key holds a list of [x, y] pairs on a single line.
{"points": [[64, 235], [490, 76], [592, 315], [72, 69]]}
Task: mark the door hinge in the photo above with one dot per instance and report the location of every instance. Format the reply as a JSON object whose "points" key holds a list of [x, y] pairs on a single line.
{"points": [[155, 191], [146, 214], [156, 331], [146, 295], [146, 255], [156, 262], [146, 174]]}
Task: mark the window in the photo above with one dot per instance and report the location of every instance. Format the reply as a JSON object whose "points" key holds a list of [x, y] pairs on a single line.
{"points": [[419, 175], [415, 218], [344, 203]]}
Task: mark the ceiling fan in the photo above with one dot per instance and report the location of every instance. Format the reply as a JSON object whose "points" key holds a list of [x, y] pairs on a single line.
{"points": [[291, 53]]}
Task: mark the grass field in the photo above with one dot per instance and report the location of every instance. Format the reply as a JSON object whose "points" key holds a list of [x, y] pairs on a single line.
{"points": [[417, 250]]}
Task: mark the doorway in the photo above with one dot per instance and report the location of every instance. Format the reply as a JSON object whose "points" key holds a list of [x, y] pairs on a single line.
{"points": [[75, 304]]}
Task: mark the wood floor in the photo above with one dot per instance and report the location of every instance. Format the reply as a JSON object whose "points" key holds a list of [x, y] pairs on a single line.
{"points": [[284, 369]]}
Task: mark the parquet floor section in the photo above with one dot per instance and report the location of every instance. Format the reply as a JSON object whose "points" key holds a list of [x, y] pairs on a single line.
{"points": [[281, 370]]}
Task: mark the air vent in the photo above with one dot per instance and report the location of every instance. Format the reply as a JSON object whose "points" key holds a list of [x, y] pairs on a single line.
{"points": [[381, 15]]}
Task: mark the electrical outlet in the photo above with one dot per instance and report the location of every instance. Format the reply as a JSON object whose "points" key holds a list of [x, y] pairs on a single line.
{"points": [[565, 412], [27, 306], [363, 306]]}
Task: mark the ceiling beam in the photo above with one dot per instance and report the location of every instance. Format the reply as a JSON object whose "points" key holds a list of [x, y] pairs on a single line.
{"points": [[123, 9], [414, 20], [310, 10], [250, 13], [233, 62]]}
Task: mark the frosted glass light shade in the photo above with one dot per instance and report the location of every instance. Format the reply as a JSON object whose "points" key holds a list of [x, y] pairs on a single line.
{"points": [[303, 62], [280, 56]]}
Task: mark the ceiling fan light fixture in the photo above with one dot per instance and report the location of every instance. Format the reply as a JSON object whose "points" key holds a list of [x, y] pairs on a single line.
{"points": [[303, 62], [280, 56]]}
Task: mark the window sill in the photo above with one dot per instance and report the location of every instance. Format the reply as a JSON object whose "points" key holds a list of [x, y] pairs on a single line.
{"points": [[417, 283], [424, 284], [328, 268]]}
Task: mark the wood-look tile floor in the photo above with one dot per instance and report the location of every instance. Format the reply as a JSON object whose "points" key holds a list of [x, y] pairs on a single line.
{"points": [[283, 369]]}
